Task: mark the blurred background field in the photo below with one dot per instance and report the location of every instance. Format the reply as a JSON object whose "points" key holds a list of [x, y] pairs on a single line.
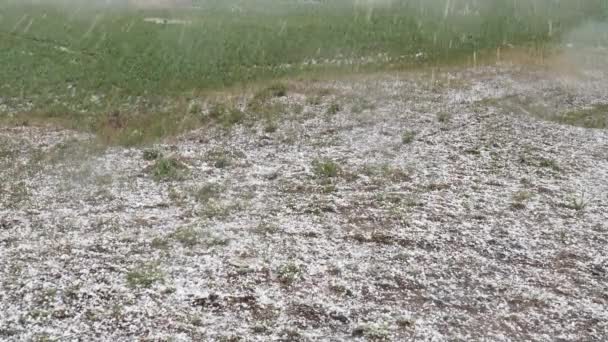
{"points": [[76, 56]]}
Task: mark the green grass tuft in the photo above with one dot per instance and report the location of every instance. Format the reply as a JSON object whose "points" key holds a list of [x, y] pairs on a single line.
{"points": [[595, 117], [334, 109], [408, 137], [187, 236], [325, 168], [144, 276], [168, 169]]}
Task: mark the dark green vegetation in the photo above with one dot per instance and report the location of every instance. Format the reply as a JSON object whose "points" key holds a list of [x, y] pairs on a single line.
{"points": [[408, 137], [144, 276], [75, 64], [167, 169], [325, 168]]}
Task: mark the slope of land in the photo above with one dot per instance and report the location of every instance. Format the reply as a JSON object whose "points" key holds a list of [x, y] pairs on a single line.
{"points": [[461, 204]]}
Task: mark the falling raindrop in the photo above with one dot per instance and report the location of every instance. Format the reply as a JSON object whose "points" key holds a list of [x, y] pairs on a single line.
{"points": [[25, 16], [446, 12], [93, 25], [28, 26]]}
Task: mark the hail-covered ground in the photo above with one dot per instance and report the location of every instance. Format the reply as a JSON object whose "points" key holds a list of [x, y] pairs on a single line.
{"points": [[433, 205]]}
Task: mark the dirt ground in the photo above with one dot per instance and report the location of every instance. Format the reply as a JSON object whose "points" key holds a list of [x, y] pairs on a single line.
{"points": [[432, 205]]}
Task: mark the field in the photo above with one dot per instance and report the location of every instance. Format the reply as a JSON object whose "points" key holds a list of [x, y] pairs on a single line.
{"points": [[75, 63], [304, 171]]}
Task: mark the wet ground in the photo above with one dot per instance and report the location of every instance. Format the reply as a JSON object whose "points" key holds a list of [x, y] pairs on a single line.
{"points": [[433, 205]]}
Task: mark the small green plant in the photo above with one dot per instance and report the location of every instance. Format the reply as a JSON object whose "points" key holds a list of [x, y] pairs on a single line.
{"points": [[151, 154], [217, 210], [43, 338], [169, 290], [324, 91], [91, 315], [549, 163], [144, 276], [219, 158], [117, 311], [314, 100], [412, 201], [406, 322], [373, 331], [168, 169], [176, 196], [260, 100], [216, 240], [194, 108], [361, 105], [39, 313], [475, 151], [522, 196], [408, 137], [329, 188], [159, 243], [444, 117], [340, 289], [18, 194], [260, 328], [227, 116], [437, 186], [577, 203], [232, 117], [297, 109], [289, 334], [277, 90], [563, 236], [325, 168], [271, 127], [266, 228], [369, 170], [289, 273], [519, 199], [196, 321], [274, 90], [394, 173], [222, 162], [270, 114], [187, 236], [207, 192], [334, 109], [217, 111], [50, 293]]}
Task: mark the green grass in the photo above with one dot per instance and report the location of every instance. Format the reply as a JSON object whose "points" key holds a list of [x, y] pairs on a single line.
{"points": [[325, 168], [333, 109], [207, 192], [226, 115], [444, 117], [187, 236], [272, 91], [289, 273], [74, 64], [168, 169], [144, 276], [595, 117], [408, 137]]}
